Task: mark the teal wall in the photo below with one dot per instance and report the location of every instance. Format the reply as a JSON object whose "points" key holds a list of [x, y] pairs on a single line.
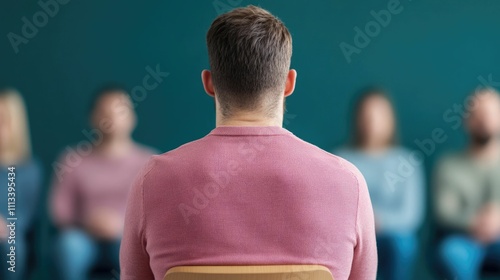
{"points": [[431, 54]]}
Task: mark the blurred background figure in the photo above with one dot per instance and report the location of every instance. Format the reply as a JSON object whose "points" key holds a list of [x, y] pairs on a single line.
{"points": [[467, 193], [15, 150], [91, 186], [396, 187]]}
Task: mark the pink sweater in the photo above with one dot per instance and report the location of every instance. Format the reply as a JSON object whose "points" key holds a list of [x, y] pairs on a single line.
{"points": [[249, 195], [93, 182]]}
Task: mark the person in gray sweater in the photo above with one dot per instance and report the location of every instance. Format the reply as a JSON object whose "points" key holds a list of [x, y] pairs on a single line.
{"points": [[467, 194]]}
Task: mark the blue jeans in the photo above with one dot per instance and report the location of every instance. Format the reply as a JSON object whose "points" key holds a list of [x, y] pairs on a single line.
{"points": [[461, 257], [77, 253], [396, 254]]}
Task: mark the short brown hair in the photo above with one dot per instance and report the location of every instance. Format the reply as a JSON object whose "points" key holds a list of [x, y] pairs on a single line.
{"points": [[249, 51]]}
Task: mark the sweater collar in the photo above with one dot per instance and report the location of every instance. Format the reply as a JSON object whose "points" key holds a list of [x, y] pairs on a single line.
{"points": [[250, 130]]}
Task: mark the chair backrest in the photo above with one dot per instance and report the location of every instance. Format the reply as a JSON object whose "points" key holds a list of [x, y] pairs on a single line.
{"points": [[249, 272]]}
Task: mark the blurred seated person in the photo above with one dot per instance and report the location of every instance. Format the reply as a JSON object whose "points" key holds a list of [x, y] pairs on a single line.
{"points": [[467, 193], [395, 181], [15, 150], [91, 187]]}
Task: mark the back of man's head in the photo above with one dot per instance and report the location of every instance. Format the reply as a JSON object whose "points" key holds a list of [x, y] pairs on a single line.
{"points": [[249, 51]]}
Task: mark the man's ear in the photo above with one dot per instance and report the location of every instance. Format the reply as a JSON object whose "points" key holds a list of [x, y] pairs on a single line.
{"points": [[290, 82], [206, 79]]}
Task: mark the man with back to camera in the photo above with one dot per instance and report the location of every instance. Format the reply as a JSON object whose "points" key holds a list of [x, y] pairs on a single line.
{"points": [[250, 192], [467, 194]]}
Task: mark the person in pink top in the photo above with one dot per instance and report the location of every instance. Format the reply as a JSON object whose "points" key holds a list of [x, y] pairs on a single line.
{"points": [[250, 192], [91, 187]]}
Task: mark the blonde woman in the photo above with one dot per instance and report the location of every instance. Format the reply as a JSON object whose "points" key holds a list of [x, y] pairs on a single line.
{"points": [[15, 151]]}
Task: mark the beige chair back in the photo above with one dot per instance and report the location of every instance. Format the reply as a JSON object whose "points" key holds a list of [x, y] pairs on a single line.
{"points": [[249, 272]]}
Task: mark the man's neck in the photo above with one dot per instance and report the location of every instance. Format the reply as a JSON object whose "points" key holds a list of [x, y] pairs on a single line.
{"points": [[487, 153], [249, 119]]}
